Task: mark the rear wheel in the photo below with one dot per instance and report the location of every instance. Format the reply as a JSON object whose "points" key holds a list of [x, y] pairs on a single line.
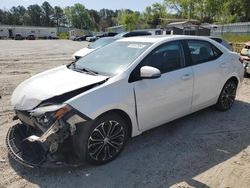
{"points": [[103, 140], [227, 96]]}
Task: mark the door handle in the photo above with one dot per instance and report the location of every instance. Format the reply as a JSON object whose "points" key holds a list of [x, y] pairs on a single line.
{"points": [[186, 76]]}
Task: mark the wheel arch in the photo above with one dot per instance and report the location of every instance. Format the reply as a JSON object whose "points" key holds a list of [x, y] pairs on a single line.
{"points": [[123, 115], [233, 78]]}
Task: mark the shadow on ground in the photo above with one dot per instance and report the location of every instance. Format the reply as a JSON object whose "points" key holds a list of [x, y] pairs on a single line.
{"points": [[164, 156]]}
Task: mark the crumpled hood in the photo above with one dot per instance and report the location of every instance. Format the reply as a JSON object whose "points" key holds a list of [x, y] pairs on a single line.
{"points": [[83, 52], [48, 84]]}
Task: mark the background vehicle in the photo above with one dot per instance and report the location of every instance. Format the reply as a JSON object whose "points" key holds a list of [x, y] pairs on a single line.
{"points": [[133, 34], [95, 45], [19, 37], [106, 41], [246, 58], [31, 37], [94, 38], [82, 38], [223, 42], [91, 39], [118, 91]]}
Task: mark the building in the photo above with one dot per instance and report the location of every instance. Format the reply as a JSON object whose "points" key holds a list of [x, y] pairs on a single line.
{"points": [[9, 31], [76, 33], [191, 27]]}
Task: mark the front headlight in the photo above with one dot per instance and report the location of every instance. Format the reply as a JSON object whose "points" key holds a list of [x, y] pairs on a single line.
{"points": [[47, 115]]}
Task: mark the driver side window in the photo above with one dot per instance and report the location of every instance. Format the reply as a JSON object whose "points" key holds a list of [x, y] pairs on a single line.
{"points": [[167, 57]]}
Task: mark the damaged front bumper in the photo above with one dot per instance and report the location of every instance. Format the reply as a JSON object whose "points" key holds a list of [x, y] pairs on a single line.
{"points": [[33, 147]]}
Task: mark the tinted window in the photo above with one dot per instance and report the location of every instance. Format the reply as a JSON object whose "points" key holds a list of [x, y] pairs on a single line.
{"points": [[217, 40], [167, 57], [202, 51]]}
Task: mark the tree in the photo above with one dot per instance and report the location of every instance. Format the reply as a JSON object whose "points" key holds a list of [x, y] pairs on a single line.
{"points": [[154, 15], [79, 17], [47, 14], [95, 18], [128, 18], [35, 13], [58, 15]]}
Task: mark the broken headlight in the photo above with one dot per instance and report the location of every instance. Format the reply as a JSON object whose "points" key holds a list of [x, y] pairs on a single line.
{"points": [[47, 115]]}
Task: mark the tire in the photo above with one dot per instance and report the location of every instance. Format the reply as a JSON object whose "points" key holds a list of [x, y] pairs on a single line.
{"points": [[246, 75], [102, 140], [227, 96]]}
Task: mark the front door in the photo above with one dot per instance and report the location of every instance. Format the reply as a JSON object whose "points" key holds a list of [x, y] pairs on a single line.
{"points": [[168, 97]]}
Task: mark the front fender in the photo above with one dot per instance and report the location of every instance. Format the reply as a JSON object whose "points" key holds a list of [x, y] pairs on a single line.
{"points": [[117, 95]]}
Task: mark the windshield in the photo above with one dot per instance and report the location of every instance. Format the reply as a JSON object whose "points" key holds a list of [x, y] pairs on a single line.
{"points": [[100, 43], [113, 58]]}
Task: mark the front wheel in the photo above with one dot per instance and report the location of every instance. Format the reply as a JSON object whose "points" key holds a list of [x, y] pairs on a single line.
{"points": [[227, 96], [103, 140]]}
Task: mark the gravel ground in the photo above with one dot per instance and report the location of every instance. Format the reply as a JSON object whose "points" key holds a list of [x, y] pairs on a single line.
{"points": [[205, 149]]}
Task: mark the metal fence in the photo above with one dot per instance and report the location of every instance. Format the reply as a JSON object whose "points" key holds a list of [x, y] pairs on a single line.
{"points": [[242, 28], [237, 47]]}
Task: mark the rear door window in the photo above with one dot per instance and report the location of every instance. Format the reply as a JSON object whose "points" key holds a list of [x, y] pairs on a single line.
{"points": [[202, 51]]}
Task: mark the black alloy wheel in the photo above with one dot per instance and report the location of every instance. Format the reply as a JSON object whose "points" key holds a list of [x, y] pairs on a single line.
{"points": [[106, 140], [102, 140], [227, 96]]}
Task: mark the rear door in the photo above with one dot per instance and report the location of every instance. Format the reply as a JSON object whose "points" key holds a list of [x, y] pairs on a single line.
{"points": [[208, 72]]}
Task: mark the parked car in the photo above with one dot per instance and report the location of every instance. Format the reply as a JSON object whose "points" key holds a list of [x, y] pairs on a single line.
{"points": [[91, 107], [94, 38], [245, 56], [223, 42], [133, 34], [83, 38], [31, 37], [18, 36], [91, 39], [93, 46], [107, 34], [106, 41]]}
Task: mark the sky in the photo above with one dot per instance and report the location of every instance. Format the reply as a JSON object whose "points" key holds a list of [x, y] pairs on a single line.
{"points": [[136, 5]]}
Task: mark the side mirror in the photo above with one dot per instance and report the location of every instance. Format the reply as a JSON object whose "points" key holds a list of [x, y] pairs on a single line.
{"points": [[148, 72]]}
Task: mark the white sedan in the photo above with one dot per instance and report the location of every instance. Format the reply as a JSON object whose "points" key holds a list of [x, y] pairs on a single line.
{"points": [[89, 109]]}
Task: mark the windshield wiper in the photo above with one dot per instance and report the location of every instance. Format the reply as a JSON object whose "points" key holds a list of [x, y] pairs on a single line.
{"points": [[74, 67], [89, 71]]}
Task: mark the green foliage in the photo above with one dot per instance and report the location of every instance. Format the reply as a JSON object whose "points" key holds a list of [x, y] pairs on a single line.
{"points": [[79, 17], [63, 35], [127, 18], [209, 11], [236, 38], [47, 13], [220, 11]]}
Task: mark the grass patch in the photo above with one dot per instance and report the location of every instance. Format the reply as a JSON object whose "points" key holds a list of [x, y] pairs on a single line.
{"points": [[236, 38], [63, 35]]}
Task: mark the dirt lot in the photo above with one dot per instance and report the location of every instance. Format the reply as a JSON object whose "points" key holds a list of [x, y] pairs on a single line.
{"points": [[205, 149]]}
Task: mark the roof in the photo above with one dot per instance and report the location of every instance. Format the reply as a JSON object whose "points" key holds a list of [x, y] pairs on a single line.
{"points": [[25, 27], [158, 38]]}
